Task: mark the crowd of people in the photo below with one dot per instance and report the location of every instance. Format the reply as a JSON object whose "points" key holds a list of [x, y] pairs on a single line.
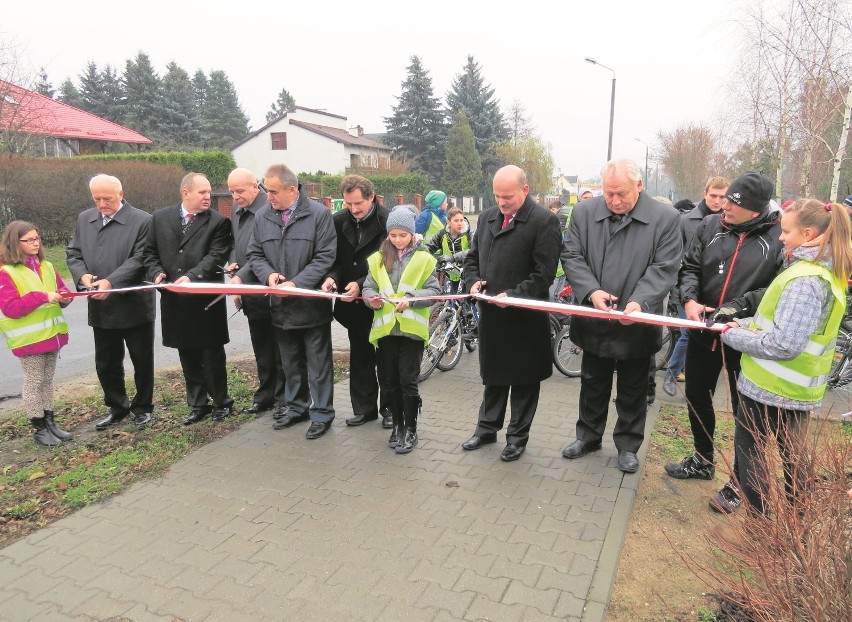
{"points": [[778, 280]]}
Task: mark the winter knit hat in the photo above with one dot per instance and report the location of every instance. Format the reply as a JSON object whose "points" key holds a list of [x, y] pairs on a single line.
{"points": [[435, 198], [684, 205], [751, 191], [848, 201], [401, 218]]}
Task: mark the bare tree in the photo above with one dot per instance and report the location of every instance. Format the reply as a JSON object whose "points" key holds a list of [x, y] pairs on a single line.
{"points": [[689, 155]]}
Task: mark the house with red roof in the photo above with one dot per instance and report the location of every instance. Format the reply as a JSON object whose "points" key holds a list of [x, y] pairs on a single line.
{"points": [[307, 141], [37, 125]]}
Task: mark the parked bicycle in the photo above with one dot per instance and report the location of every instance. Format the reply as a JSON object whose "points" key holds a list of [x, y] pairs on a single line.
{"points": [[453, 325], [840, 375], [567, 356]]}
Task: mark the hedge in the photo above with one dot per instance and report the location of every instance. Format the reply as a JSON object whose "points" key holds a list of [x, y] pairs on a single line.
{"points": [[214, 164], [386, 185]]}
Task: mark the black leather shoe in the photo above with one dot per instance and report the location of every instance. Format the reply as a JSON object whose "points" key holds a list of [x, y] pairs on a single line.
{"points": [[475, 442], [578, 449], [511, 453], [142, 419], [279, 411], [361, 419], [195, 416], [222, 413], [288, 421], [651, 399], [257, 408], [628, 462], [111, 419], [317, 429], [387, 419]]}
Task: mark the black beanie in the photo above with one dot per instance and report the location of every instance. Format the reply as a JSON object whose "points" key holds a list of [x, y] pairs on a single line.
{"points": [[751, 191], [684, 205]]}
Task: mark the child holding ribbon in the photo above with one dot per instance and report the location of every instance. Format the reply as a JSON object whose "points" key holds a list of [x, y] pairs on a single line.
{"points": [[400, 269], [788, 346], [31, 297]]}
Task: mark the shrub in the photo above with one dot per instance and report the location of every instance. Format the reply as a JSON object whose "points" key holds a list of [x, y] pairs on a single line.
{"points": [[386, 185], [213, 164]]}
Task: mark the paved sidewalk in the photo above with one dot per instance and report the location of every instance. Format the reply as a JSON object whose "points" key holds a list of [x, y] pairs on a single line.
{"points": [[265, 525]]}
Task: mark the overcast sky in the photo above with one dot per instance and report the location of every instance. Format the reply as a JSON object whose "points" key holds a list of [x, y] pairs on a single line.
{"points": [[672, 59]]}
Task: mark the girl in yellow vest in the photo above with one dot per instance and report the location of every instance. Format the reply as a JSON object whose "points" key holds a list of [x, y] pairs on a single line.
{"points": [[788, 346], [399, 269], [452, 243], [31, 294]]}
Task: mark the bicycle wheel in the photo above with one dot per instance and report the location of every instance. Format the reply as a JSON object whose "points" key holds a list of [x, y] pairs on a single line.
{"points": [[470, 332], [434, 350], [841, 369], [567, 356], [453, 348]]}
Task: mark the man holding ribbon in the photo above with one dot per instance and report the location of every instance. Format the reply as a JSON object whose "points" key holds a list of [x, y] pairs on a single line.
{"points": [[514, 253], [622, 251]]}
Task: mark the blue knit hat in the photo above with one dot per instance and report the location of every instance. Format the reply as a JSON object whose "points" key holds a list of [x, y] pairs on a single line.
{"points": [[435, 198]]}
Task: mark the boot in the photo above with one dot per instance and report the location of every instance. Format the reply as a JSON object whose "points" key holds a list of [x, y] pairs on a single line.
{"points": [[58, 432], [42, 435], [410, 407], [394, 401]]}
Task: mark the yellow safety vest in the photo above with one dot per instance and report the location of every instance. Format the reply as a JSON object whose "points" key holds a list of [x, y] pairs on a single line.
{"points": [[560, 271], [41, 323], [803, 378], [445, 249], [435, 225], [411, 321]]}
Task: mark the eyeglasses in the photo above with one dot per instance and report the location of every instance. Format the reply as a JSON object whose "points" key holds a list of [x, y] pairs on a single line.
{"points": [[31, 240]]}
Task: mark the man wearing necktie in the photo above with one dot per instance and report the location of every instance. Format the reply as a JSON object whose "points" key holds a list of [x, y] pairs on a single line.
{"points": [[514, 253], [106, 253], [623, 251], [294, 245], [249, 198], [189, 243]]}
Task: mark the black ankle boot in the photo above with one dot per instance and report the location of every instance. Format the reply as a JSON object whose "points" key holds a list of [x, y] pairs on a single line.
{"points": [[410, 408], [394, 405], [58, 432], [42, 435]]}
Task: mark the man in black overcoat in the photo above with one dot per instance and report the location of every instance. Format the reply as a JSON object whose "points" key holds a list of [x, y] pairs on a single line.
{"points": [[189, 243], [106, 253], [360, 228], [514, 253]]}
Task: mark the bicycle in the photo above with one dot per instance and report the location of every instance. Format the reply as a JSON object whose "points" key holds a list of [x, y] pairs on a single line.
{"points": [[567, 356], [840, 375], [452, 324]]}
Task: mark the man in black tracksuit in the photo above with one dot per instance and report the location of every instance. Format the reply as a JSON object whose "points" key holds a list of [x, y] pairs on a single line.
{"points": [[733, 257], [361, 228]]}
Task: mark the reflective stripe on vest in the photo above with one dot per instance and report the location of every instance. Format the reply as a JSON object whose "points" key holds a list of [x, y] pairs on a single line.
{"points": [[435, 226], [40, 324], [414, 275], [803, 378]]}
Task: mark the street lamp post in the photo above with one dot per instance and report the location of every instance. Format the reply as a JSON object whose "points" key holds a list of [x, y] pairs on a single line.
{"points": [[646, 158], [611, 106]]}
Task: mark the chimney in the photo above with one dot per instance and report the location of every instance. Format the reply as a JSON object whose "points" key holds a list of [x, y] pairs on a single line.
{"points": [[360, 130]]}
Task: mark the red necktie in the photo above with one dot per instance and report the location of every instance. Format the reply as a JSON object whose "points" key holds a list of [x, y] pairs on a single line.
{"points": [[189, 218], [506, 220]]}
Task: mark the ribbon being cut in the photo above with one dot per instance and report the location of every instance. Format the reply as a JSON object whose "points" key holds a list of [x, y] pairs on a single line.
{"points": [[540, 305]]}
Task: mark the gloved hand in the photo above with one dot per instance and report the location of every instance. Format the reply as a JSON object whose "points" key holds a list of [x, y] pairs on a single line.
{"points": [[726, 313], [445, 258]]}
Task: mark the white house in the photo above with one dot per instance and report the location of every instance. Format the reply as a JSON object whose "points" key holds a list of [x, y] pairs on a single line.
{"points": [[308, 141]]}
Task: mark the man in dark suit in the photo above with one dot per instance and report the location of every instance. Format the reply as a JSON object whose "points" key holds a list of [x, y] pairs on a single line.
{"points": [[361, 228], [106, 253], [514, 253], [248, 199], [190, 243]]}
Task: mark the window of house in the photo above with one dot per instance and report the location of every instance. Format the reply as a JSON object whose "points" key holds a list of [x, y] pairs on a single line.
{"points": [[279, 140]]}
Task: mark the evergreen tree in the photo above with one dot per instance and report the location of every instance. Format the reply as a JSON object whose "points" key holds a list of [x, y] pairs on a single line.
{"points": [[114, 98], [470, 93], [43, 85], [179, 122], [417, 130], [462, 165], [144, 97], [92, 92], [284, 103], [69, 94], [223, 120]]}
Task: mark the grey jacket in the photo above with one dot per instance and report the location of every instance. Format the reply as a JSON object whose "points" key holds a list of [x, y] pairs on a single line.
{"points": [[638, 262], [303, 252], [115, 253]]}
